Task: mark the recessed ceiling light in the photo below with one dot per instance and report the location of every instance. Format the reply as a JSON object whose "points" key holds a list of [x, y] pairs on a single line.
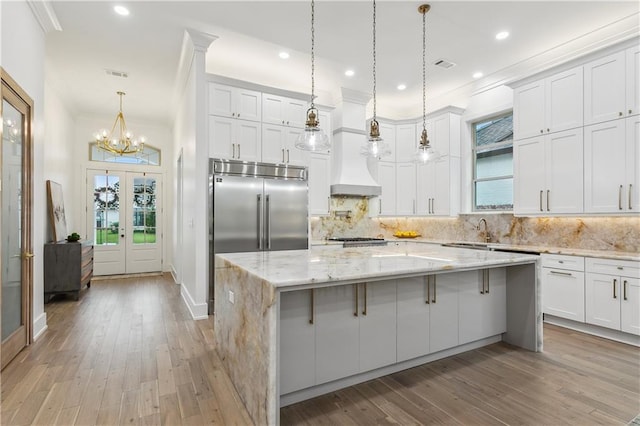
{"points": [[121, 10], [349, 73], [402, 86], [502, 35], [477, 74], [283, 55]]}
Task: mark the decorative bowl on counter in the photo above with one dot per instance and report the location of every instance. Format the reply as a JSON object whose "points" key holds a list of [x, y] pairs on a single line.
{"points": [[406, 234]]}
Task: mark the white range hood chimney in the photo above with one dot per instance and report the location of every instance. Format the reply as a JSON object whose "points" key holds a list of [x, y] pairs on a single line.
{"points": [[351, 175]]}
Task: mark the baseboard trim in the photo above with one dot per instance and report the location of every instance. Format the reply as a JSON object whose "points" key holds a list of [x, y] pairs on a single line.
{"points": [[40, 326], [618, 336], [198, 311], [174, 274]]}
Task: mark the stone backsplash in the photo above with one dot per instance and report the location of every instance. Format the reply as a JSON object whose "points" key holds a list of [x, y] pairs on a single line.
{"points": [[610, 233]]}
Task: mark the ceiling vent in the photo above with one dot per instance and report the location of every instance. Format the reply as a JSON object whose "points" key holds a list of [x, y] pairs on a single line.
{"points": [[121, 74], [443, 63]]}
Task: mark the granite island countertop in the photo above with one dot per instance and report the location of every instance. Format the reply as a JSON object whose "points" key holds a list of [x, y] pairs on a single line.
{"points": [[327, 265]]}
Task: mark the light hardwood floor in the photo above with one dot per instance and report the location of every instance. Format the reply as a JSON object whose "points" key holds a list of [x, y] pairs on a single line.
{"points": [[128, 353]]}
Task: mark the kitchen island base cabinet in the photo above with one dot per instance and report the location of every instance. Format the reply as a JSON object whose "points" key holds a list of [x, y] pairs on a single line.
{"points": [[483, 304], [297, 341]]}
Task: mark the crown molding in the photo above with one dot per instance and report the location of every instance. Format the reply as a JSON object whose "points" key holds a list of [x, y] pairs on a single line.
{"points": [[45, 15]]}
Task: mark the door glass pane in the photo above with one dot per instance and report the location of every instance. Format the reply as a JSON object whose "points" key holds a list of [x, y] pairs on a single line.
{"points": [[144, 210], [106, 210], [12, 137]]}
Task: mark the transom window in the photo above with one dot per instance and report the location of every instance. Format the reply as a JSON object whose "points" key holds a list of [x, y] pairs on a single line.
{"points": [[493, 163], [149, 156]]}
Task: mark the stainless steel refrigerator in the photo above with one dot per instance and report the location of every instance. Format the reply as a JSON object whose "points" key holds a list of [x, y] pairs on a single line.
{"points": [[255, 207]]}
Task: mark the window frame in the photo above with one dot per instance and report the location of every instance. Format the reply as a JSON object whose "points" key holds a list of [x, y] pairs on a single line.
{"points": [[497, 146]]}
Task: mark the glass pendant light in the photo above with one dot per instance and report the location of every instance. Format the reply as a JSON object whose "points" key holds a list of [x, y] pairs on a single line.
{"points": [[313, 138], [375, 146], [425, 152]]}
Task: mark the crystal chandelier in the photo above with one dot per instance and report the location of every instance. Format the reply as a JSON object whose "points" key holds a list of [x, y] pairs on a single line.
{"points": [[313, 138], [119, 140], [375, 146], [425, 152]]}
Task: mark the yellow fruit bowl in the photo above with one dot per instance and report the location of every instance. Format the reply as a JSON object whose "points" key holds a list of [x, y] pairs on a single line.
{"points": [[406, 234]]}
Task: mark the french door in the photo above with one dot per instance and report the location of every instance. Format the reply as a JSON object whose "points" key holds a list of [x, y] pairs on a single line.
{"points": [[15, 218], [124, 220]]}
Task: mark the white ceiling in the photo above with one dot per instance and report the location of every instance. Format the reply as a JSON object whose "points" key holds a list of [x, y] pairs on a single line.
{"points": [[147, 45]]}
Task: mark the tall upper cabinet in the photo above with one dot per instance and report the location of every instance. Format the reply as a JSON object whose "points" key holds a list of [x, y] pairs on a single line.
{"points": [[576, 137]]}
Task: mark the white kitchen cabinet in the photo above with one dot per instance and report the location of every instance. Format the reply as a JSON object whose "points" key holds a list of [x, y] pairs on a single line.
{"points": [[297, 341], [406, 142], [611, 87], [319, 183], [377, 315], [283, 111], [406, 189], [337, 333], [549, 105], [611, 294], [482, 304], [443, 311], [412, 317], [387, 181], [235, 139], [563, 286], [434, 187], [611, 166], [548, 173], [388, 135], [278, 145], [633, 80], [234, 102]]}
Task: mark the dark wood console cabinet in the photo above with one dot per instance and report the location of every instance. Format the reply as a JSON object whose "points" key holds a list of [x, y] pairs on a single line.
{"points": [[68, 268]]}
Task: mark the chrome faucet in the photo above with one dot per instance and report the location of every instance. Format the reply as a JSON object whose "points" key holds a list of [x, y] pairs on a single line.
{"points": [[487, 236]]}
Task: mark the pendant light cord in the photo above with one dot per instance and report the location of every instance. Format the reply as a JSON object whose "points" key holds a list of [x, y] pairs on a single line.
{"points": [[424, 72], [313, 82], [374, 60]]}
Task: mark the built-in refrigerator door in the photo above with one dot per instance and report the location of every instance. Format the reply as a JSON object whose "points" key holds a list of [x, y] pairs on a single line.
{"points": [[238, 203], [286, 214]]}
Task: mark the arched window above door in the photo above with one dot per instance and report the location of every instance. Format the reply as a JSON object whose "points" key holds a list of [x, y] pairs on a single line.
{"points": [[149, 156]]}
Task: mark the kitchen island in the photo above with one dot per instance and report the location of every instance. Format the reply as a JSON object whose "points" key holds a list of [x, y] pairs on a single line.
{"points": [[291, 325]]}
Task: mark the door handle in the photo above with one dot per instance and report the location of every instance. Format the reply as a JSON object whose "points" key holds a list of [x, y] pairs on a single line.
{"points": [[567, 274], [26, 255], [364, 312], [614, 288], [355, 313], [630, 196], [434, 289], [541, 200], [238, 151], [428, 281], [268, 220], [380, 205], [283, 155], [620, 198], [288, 160], [484, 283], [312, 307], [414, 206], [488, 281], [233, 152], [624, 289], [548, 199], [259, 221]]}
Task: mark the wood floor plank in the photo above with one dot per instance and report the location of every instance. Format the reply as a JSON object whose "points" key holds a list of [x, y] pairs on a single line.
{"points": [[129, 353]]}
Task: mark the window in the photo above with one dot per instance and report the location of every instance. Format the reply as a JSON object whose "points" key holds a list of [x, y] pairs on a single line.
{"points": [[493, 164], [149, 156]]}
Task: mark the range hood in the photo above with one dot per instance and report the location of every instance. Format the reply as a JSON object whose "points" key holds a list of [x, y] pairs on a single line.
{"points": [[351, 175]]}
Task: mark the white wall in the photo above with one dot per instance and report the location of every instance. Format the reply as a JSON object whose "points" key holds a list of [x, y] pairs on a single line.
{"points": [[159, 136], [22, 55]]}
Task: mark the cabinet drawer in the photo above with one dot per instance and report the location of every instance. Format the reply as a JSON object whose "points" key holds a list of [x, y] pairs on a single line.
{"points": [[624, 268], [559, 261]]}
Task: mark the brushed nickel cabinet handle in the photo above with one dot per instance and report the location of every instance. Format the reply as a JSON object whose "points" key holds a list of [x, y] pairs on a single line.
{"points": [[428, 281], [364, 311], [239, 151], [312, 307], [238, 114], [433, 206], [355, 313], [233, 148], [283, 155], [484, 277], [630, 186], [434, 289], [541, 200], [615, 296], [328, 203], [620, 114], [288, 160], [624, 289], [414, 206], [567, 274], [620, 198], [541, 130], [380, 205], [548, 199], [488, 281], [630, 111]]}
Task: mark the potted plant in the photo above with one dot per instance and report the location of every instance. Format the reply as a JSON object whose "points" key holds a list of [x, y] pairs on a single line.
{"points": [[73, 238]]}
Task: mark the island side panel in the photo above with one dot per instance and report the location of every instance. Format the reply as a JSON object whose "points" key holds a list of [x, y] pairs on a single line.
{"points": [[524, 307], [245, 334]]}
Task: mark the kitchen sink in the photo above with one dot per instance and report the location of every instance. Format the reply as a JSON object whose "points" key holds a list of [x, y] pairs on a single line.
{"points": [[474, 246]]}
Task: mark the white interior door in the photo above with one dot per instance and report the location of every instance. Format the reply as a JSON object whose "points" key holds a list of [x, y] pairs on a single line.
{"points": [[124, 221]]}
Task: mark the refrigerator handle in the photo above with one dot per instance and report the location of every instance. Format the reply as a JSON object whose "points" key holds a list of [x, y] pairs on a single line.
{"points": [[268, 222], [259, 221]]}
